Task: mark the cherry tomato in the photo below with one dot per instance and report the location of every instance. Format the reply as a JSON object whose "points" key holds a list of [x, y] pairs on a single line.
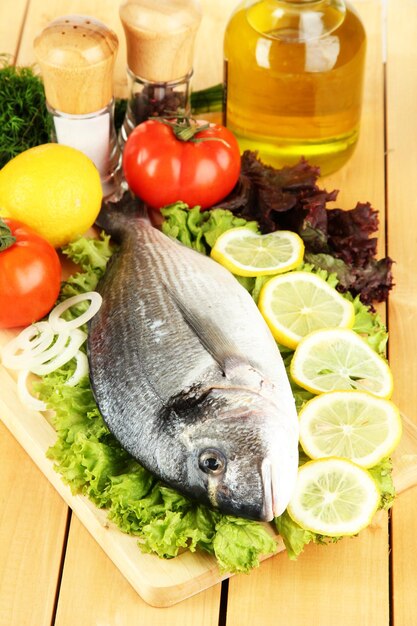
{"points": [[30, 275], [162, 168]]}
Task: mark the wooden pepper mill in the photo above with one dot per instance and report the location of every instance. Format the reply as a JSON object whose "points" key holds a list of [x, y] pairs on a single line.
{"points": [[160, 46], [76, 54]]}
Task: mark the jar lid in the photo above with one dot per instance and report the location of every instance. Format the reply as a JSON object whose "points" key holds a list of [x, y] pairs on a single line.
{"points": [[160, 37], [76, 54]]}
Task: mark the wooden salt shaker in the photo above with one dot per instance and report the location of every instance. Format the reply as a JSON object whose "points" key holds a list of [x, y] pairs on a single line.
{"points": [[160, 47], [76, 54]]}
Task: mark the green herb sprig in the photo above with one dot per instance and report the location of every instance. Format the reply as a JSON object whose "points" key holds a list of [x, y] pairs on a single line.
{"points": [[24, 119]]}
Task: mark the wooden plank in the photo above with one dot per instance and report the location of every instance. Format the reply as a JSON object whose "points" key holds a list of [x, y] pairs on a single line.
{"points": [[404, 555], [12, 15], [348, 582], [96, 593], [340, 584], [401, 168], [32, 531]]}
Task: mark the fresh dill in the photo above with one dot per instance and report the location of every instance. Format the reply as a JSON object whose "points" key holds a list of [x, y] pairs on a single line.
{"points": [[24, 119]]}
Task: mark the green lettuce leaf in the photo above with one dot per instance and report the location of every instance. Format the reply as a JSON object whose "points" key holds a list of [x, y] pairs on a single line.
{"points": [[166, 535], [200, 229], [294, 537], [91, 254], [369, 324], [239, 544], [85, 454], [131, 499], [192, 526], [382, 474]]}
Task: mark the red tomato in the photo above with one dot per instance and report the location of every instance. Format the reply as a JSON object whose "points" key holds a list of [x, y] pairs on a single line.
{"points": [[30, 276], [161, 169]]}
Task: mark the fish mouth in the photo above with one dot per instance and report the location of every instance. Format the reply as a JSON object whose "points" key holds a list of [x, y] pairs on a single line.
{"points": [[268, 491], [273, 506]]}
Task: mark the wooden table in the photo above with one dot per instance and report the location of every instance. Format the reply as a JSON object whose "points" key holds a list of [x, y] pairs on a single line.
{"points": [[51, 570]]}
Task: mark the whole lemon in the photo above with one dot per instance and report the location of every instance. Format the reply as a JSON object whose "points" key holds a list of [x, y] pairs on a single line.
{"points": [[53, 189]]}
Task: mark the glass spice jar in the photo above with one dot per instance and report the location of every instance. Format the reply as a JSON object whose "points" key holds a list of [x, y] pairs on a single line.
{"points": [[149, 99], [160, 44]]}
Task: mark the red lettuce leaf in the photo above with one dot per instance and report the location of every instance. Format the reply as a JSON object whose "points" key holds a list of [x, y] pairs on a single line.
{"points": [[290, 199]]}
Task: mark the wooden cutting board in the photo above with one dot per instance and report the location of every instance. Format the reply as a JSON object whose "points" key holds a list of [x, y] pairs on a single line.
{"points": [[159, 582]]}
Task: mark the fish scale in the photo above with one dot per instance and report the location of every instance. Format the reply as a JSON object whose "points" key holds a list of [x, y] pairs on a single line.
{"points": [[188, 377]]}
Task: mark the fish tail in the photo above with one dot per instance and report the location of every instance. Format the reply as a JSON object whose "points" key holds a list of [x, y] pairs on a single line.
{"points": [[116, 217]]}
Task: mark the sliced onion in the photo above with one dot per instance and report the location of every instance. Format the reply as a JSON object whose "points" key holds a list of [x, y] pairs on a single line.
{"points": [[76, 339], [52, 352], [45, 346], [58, 324], [31, 342], [24, 394], [81, 369]]}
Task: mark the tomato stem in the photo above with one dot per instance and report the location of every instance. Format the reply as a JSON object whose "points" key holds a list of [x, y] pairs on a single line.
{"points": [[185, 128], [6, 237]]}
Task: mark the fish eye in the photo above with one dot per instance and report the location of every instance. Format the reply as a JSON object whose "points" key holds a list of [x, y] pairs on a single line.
{"points": [[211, 461]]}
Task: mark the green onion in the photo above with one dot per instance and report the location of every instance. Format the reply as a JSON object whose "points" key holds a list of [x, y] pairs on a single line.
{"points": [[207, 100]]}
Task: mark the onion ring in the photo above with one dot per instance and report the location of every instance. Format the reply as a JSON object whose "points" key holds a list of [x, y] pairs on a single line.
{"points": [[58, 324], [81, 369], [76, 339], [24, 394], [31, 342]]}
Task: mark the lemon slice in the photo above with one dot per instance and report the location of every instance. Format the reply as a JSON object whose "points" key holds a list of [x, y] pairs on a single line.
{"points": [[333, 497], [339, 359], [351, 424], [296, 303], [246, 253]]}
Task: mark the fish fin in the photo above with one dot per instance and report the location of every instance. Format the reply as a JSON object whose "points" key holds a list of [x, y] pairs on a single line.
{"points": [[210, 335], [186, 403]]}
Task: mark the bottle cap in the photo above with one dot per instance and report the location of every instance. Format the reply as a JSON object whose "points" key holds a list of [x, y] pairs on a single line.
{"points": [[160, 37], [76, 54]]}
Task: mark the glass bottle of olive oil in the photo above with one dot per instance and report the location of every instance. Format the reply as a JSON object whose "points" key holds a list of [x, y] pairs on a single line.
{"points": [[293, 80]]}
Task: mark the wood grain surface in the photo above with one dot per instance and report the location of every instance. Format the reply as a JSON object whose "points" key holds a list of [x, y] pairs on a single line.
{"points": [[402, 246], [53, 572]]}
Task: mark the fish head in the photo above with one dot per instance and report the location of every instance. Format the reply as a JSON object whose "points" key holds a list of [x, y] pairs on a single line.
{"points": [[242, 456]]}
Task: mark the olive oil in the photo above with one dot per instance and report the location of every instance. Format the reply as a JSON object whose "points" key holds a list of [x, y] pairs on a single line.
{"points": [[293, 80]]}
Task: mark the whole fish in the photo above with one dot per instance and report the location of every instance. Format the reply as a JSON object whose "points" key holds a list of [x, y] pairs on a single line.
{"points": [[188, 377]]}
